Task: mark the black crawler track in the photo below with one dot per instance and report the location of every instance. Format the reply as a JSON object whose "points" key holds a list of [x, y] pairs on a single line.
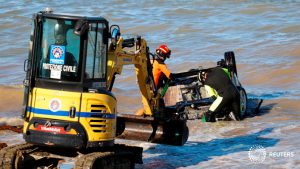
{"points": [[107, 160], [24, 156], [9, 157], [118, 157]]}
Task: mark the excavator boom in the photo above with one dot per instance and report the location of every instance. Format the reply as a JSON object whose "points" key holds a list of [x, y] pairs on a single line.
{"points": [[137, 54]]}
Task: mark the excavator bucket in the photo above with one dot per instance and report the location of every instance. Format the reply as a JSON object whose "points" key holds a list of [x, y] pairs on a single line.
{"points": [[133, 127]]}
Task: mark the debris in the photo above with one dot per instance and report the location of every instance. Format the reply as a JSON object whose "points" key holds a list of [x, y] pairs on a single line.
{"points": [[2, 145], [17, 129]]}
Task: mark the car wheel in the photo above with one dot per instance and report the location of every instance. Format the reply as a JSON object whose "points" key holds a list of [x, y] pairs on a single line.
{"points": [[243, 101]]}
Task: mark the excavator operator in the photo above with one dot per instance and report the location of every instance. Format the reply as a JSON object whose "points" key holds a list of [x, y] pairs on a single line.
{"points": [[228, 95], [60, 54]]}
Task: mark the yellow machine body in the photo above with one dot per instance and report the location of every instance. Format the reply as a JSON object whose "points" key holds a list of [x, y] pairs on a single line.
{"points": [[94, 112]]}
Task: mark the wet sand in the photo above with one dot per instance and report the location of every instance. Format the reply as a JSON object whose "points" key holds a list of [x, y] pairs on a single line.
{"points": [[10, 99]]}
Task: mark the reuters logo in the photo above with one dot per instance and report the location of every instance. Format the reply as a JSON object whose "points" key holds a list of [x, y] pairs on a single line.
{"points": [[257, 154]]}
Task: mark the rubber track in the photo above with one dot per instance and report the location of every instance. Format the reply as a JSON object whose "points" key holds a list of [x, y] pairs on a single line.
{"points": [[111, 160], [87, 161], [8, 155]]}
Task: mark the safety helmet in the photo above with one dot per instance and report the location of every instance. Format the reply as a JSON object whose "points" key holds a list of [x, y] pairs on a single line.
{"points": [[163, 51], [60, 32]]}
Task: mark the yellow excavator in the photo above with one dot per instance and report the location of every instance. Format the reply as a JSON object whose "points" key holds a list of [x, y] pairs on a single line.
{"points": [[69, 109]]}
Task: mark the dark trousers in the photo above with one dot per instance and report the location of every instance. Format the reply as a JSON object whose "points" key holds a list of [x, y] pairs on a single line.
{"points": [[229, 100]]}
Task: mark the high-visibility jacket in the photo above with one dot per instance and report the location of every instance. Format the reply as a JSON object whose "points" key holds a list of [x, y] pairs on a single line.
{"points": [[219, 80], [211, 91], [159, 68]]}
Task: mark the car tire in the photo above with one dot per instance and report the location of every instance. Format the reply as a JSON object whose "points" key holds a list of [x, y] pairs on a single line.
{"points": [[243, 101]]}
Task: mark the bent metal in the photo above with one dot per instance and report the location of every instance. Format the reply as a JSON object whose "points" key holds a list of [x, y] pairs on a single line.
{"points": [[64, 68]]}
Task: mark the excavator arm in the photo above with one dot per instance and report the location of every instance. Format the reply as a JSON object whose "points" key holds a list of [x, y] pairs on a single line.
{"points": [[135, 52]]}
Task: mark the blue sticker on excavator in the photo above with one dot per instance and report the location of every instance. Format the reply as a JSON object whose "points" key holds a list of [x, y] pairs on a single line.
{"points": [[57, 54]]}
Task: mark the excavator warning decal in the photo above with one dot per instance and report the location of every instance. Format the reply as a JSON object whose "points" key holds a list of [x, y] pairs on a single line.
{"points": [[53, 129]]}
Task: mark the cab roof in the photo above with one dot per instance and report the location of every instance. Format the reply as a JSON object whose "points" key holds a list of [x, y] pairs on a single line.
{"points": [[68, 16]]}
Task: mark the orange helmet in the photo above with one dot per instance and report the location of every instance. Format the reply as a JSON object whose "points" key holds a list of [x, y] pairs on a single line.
{"points": [[163, 51]]}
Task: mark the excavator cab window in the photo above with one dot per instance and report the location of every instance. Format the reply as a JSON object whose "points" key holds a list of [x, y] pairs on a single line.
{"points": [[71, 51], [96, 53], [60, 56]]}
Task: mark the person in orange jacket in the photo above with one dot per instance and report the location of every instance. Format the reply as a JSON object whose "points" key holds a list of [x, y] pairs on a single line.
{"points": [[160, 70]]}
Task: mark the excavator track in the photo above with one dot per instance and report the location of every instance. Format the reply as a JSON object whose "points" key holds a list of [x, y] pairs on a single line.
{"points": [[119, 157], [27, 155], [11, 157], [107, 160]]}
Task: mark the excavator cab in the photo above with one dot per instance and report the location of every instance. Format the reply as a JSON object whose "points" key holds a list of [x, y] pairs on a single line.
{"points": [[66, 101], [72, 52]]}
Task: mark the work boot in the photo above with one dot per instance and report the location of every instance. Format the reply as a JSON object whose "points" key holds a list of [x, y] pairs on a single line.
{"points": [[210, 116]]}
